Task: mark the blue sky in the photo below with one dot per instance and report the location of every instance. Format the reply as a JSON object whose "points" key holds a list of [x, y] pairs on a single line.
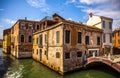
{"points": [[76, 10]]}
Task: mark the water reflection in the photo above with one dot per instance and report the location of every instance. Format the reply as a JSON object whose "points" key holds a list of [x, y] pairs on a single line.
{"points": [[28, 68]]}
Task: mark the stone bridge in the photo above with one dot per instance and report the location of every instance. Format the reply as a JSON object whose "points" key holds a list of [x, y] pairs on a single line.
{"points": [[106, 61]]}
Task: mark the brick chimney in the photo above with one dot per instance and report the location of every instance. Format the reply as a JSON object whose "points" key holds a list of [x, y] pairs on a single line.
{"points": [[25, 18], [90, 14]]}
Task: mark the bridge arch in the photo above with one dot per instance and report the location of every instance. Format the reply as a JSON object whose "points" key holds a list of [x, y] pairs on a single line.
{"points": [[96, 60]]}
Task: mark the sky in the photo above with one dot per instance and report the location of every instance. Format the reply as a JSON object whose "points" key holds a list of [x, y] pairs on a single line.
{"points": [[76, 10]]}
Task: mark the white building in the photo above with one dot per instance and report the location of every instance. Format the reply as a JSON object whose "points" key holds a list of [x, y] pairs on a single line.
{"points": [[104, 23]]}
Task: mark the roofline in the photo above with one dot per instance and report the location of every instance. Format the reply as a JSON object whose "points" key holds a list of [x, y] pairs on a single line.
{"points": [[103, 17], [116, 30], [7, 29], [84, 25], [58, 16], [58, 24], [23, 20], [28, 20], [54, 26]]}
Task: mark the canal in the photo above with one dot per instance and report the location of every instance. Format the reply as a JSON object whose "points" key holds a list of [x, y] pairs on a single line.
{"points": [[28, 68]]}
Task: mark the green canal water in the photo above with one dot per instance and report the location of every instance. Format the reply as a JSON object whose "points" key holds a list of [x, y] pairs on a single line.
{"points": [[28, 68]]}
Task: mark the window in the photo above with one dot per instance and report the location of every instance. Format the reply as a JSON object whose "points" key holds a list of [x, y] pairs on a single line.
{"points": [[37, 41], [40, 50], [37, 51], [33, 51], [22, 25], [38, 27], [57, 36], [110, 38], [45, 38], [79, 37], [119, 41], [118, 33], [30, 39], [98, 40], [30, 27], [45, 52], [103, 24], [110, 25], [79, 54], [113, 35], [67, 36], [40, 39], [22, 38], [87, 39], [57, 55], [67, 55], [104, 38]]}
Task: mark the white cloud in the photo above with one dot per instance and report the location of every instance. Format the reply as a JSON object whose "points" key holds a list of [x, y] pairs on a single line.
{"points": [[73, 0], [36, 3], [69, 19], [1, 30], [115, 14], [104, 12], [81, 6], [41, 4], [116, 24], [92, 1], [9, 21], [1, 34], [107, 8], [70, 1]]}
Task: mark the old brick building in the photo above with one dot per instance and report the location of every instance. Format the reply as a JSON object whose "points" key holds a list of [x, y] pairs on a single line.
{"points": [[6, 40], [105, 24], [21, 37], [62, 44]]}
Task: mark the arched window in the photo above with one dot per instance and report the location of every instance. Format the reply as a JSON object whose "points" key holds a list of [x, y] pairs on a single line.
{"points": [[57, 55], [22, 38], [30, 39]]}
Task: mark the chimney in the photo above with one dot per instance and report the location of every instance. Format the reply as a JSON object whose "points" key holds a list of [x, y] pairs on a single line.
{"points": [[90, 14], [25, 18]]}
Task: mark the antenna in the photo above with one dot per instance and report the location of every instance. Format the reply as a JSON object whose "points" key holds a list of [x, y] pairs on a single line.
{"points": [[90, 11], [25, 18]]}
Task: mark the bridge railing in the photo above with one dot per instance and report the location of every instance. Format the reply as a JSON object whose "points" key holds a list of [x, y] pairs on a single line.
{"points": [[106, 61]]}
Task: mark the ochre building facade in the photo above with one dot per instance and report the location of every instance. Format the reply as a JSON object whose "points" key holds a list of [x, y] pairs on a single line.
{"points": [[21, 38], [116, 41], [7, 41]]}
